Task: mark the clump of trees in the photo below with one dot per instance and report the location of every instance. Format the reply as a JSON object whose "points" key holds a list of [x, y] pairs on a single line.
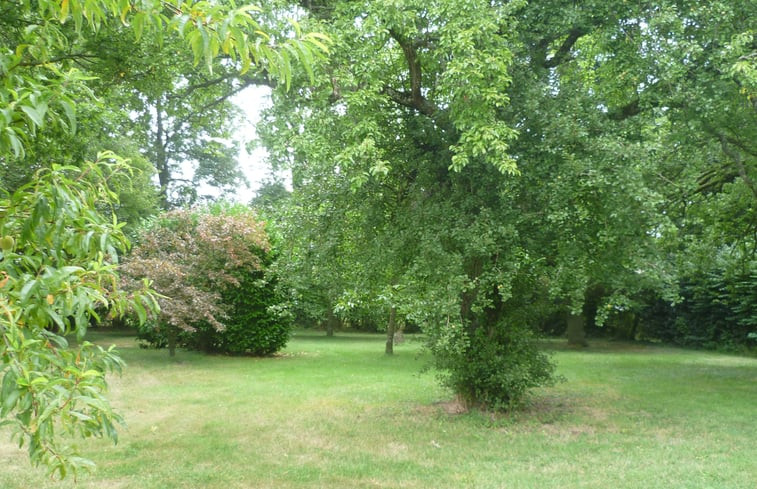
{"points": [[60, 242], [476, 169], [210, 267]]}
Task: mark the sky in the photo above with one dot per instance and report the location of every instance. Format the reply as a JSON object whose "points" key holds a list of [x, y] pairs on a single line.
{"points": [[253, 100], [254, 165]]}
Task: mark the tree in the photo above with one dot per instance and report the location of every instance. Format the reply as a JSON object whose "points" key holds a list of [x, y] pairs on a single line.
{"points": [[187, 97], [496, 164], [179, 114], [380, 142], [59, 253]]}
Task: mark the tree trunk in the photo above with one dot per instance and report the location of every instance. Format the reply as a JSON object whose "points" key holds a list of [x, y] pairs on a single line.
{"points": [[576, 333], [171, 334], [635, 327], [331, 323], [161, 160], [390, 329]]}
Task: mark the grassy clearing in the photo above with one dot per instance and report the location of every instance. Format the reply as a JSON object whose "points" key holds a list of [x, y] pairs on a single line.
{"points": [[337, 413]]}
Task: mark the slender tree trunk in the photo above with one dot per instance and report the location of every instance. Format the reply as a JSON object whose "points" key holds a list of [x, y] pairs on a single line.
{"points": [[171, 334], [576, 331], [331, 323], [161, 160], [390, 330], [635, 327]]}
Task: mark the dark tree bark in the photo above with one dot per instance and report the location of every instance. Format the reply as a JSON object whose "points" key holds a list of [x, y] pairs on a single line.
{"points": [[171, 334], [576, 331], [391, 328], [331, 323]]}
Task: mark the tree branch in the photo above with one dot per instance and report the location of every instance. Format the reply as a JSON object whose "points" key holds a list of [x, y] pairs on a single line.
{"points": [[247, 80], [56, 59], [736, 157], [414, 99], [563, 53], [413, 65]]}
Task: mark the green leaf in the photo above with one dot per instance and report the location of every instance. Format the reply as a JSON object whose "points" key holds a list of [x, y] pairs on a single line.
{"points": [[15, 143], [9, 400], [70, 111], [27, 290], [36, 113], [138, 24]]}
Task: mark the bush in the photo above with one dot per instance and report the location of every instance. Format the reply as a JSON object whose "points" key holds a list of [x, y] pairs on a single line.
{"points": [[716, 311], [256, 323], [491, 367], [212, 266]]}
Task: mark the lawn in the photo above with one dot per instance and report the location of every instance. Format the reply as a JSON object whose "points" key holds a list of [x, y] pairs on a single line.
{"points": [[337, 413]]}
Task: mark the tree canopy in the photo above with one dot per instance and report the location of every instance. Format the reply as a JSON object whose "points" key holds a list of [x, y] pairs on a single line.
{"points": [[480, 167]]}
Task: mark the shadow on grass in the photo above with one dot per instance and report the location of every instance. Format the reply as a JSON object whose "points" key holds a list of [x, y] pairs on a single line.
{"points": [[340, 337], [607, 346]]}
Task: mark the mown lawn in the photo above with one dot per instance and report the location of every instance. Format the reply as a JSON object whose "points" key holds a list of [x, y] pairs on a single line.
{"points": [[337, 413]]}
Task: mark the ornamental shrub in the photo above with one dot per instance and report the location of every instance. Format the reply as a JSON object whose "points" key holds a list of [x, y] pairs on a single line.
{"points": [[212, 267]]}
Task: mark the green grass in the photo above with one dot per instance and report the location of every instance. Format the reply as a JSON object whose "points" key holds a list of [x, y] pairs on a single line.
{"points": [[337, 413]]}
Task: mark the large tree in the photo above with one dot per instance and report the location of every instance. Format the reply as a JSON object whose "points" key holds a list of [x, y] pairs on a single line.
{"points": [[492, 164], [177, 113], [160, 95]]}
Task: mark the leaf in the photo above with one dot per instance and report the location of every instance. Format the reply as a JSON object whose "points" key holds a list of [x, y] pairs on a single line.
{"points": [[249, 8], [15, 143], [138, 24], [39, 380], [63, 11], [70, 110], [26, 290], [196, 43], [124, 11], [9, 400], [35, 113]]}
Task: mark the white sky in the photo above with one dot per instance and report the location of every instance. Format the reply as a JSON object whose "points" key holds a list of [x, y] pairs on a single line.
{"points": [[254, 165]]}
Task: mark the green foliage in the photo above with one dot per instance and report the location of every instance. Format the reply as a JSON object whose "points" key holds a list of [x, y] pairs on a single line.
{"points": [[150, 70], [493, 369], [715, 310], [59, 253], [37, 85], [58, 272], [211, 268], [257, 321], [406, 194]]}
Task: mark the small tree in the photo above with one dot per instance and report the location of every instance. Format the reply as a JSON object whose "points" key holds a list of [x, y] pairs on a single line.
{"points": [[210, 268]]}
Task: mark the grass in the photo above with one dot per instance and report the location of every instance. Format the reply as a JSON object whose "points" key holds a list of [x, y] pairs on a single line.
{"points": [[337, 413]]}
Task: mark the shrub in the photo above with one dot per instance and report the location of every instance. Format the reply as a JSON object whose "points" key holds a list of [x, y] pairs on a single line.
{"points": [[716, 310], [256, 322], [491, 367], [211, 266]]}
